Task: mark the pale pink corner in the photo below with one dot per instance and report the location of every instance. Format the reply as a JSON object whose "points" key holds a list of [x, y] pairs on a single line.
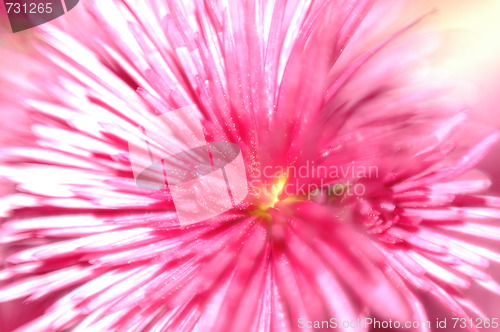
{"points": [[205, 179]]}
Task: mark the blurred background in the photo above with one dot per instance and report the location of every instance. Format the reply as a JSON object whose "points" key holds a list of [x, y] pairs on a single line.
{"points": [[471, 52], [474, 55], [473, 47]]}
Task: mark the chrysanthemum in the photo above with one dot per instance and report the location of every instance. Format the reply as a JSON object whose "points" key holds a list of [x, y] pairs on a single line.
{"points": [[327, 88]]}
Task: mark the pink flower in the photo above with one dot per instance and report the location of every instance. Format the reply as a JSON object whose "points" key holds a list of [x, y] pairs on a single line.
{"points": [[363, 199]]}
